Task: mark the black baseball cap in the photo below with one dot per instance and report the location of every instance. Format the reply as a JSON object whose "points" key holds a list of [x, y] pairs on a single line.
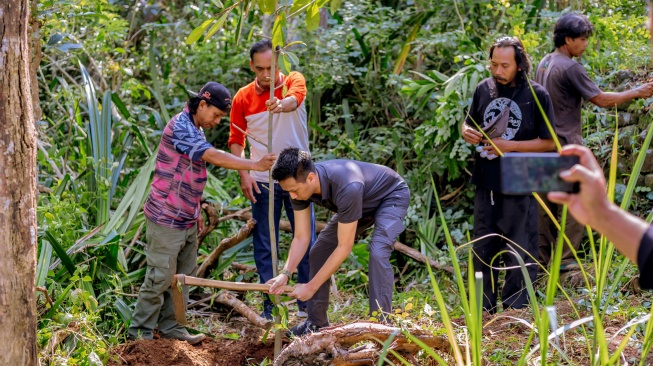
{"points": [[215, 94]]}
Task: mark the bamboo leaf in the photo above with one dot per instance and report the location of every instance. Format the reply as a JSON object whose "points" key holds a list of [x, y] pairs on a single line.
{"points": [[197, 32]]}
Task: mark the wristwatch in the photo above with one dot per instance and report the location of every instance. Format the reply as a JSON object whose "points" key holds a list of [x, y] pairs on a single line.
{"points": [[287, 273]]}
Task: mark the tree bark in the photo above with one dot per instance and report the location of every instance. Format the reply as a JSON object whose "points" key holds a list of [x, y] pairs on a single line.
{"points": [[333, 346], [19, 50]]}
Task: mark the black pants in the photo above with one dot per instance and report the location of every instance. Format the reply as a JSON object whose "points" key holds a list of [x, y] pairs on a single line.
{"points": [[388, 221], [516, 218]]}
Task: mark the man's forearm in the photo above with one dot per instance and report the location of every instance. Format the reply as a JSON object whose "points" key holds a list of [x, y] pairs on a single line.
{"points": [[298, 248], [535, 145], [238, 150], [289, 103], [607, 99], [623, 229], [226, 160]]}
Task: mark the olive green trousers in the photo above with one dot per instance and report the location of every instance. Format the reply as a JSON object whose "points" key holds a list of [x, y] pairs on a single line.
{"points": [[168, 251]]}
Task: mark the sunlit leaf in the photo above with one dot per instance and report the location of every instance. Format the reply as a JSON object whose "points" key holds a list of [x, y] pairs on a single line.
{"points": [[215, 27], [277, 31], [266, 6], [298, 5], [197, 32], [335, 5], [285, 64], [312, 17]]}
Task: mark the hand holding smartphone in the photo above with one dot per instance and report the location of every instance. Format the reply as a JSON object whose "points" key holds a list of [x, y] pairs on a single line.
{"points": [[524, 173]]}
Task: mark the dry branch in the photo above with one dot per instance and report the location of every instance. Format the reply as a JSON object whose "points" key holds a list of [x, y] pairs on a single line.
{"points": [[230, 300], [212, 215], [331, 345], [211, 261], [418, 256]]}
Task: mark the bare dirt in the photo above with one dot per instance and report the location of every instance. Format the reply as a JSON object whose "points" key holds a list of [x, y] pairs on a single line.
{"points": [[504, 340], [215, 350]]}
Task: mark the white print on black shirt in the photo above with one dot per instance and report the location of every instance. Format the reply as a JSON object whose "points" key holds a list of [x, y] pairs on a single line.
{"points": [[494, 109]]}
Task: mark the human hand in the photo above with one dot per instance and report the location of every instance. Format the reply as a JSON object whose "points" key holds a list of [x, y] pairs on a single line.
{"points": [[303, 292], [200, 225], [275, 105], [248, 185], [591, 201], [500, 146], [645, 91], [471, 135], [265, 163], [277, 283]]}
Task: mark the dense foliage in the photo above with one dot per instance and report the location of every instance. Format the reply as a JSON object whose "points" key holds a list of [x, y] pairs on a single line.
{"points": [[389, 83]]}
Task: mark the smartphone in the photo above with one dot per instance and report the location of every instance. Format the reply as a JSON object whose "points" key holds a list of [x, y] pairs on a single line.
{"points": [[523, 173]]}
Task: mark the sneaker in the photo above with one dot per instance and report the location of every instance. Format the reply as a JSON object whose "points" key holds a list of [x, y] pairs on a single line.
{"points": [[183, 335], [303, 328], [301, 313]]}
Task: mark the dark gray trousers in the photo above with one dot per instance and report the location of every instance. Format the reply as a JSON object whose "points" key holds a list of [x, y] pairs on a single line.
{"points": [[388, 221]]}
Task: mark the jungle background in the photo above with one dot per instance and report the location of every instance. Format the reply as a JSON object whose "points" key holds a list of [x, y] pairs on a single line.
{"points": [[388, 83]]}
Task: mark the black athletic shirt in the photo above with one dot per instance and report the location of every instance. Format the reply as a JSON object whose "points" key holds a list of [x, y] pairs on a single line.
{"points": [[351, 188], [526, 121], [645, 260]]}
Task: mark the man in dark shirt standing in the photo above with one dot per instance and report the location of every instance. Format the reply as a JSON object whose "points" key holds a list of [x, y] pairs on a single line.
{"points": [[361, 195], [514, 217], [568, 84]]}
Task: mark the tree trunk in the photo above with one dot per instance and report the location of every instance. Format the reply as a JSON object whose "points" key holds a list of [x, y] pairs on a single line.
{"points": [[18, 239]]}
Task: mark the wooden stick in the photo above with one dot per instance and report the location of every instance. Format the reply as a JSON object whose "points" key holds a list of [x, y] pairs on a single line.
{"points": [[184, 280], [180, 280], [250, 136]]}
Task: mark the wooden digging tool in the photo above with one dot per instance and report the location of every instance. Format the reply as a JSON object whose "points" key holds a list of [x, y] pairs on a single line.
{"points": [[180, 280]]}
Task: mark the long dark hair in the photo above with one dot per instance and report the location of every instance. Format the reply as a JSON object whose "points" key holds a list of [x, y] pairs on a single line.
{"points": [[193, 103], [521, 57], [573, 26]]}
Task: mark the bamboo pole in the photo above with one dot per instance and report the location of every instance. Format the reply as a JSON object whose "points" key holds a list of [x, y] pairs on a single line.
{"points": [[273, 236]]}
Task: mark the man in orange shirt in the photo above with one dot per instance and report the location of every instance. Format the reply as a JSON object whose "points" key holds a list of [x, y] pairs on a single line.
{"points": [[251, 107]]}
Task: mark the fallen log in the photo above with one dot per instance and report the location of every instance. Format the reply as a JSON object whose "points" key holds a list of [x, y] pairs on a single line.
{"points": [[211, 261], [331, 346]]}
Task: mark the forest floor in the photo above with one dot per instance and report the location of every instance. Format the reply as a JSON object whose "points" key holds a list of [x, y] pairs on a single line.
{"points": [[233, 341]]}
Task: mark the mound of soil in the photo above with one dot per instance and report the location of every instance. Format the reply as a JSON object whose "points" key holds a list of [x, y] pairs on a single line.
{"points": [[210, 352]]}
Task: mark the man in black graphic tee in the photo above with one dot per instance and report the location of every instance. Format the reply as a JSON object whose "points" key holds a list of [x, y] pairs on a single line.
{"points": [[514, 217]]}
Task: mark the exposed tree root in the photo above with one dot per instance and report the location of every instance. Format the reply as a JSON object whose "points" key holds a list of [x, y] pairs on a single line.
{"points": [[332, 346], [211, 261]]}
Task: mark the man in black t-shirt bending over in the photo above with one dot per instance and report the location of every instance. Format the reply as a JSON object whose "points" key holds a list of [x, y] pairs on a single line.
{"points": [[361, 195], [514, 217]]}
